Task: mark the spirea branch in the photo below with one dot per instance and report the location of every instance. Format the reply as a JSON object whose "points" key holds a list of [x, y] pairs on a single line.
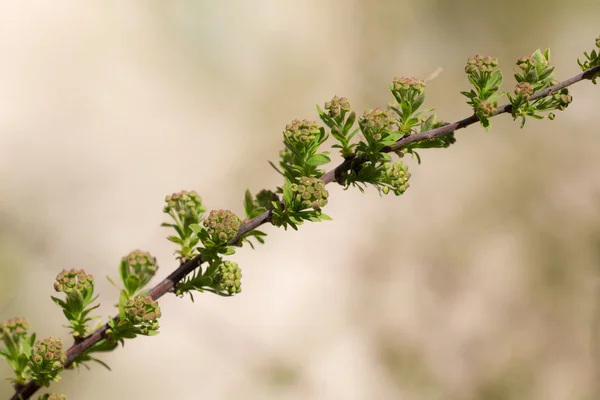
{"points": [[203, 242]]}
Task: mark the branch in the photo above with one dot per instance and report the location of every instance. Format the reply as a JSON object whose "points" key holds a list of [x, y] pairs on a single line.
{"points": [[168, 284]]}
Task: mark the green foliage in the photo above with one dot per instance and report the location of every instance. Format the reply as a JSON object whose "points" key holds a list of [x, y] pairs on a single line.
{"points": [[185, 209], [486, 81], [253, 207], [78, 288], [536, 74], [592, 60], [17, 348], [46, 362]]}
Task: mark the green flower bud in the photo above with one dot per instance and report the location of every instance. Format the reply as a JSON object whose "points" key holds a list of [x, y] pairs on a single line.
{"points": [[396, 175], [74, 283], [598, 42], [139, 267], [337, 106], [480, 64], [309, 193], [185, 207], [486, 109], [46, 362], [373, 122], [222, 225], [551, 116], [143, 312], [525, 62], [228, 278], [563, 100], [524, 89], [14, 328], [301, 134]]}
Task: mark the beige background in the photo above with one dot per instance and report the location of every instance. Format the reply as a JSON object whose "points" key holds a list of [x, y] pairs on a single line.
{"points": [[481, 282]]}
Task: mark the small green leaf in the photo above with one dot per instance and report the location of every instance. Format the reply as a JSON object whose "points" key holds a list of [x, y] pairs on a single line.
{"points": [[318, 159]]}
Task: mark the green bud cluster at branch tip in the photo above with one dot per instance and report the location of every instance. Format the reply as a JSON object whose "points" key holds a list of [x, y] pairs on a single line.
{"points": [[137, 269], [17, 348], [47, 360], [486, 81], [186, 210], [14, 327], [302, 139], [78, 287], [369, 145]]}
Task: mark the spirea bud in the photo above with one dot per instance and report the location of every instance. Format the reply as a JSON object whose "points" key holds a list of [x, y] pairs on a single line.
{"points": [[185, 207], [47, 358], [480, 64], [396, 175], [301, 133], [14, 328], [524, 89], [486, 109], [140, 266], [337, 106], [144, 312], [310, 193], [222, 225], [228, 278], [74, 283]]}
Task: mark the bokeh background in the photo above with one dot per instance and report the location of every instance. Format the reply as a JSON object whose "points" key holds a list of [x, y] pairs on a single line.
{"points": [[481, 282]]}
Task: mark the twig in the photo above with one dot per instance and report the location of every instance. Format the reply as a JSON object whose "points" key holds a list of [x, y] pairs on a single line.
{"points": [[168, 284]]}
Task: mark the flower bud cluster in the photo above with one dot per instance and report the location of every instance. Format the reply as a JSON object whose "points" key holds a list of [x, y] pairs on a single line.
{"points": [[229, 278], [486, 109], [186, 206], [396, 175], [408, 84], [480, 64], [310, 192], [139, 265], [526, 62], [374, 123], [47, 358], [74, 283], [524, 89], [222, 225], [144, 312], [563, 100], [337, 106], [301, 133], [14, 327]]}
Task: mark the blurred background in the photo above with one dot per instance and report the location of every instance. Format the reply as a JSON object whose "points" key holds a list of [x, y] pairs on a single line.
{"points": [[481, 282]]}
